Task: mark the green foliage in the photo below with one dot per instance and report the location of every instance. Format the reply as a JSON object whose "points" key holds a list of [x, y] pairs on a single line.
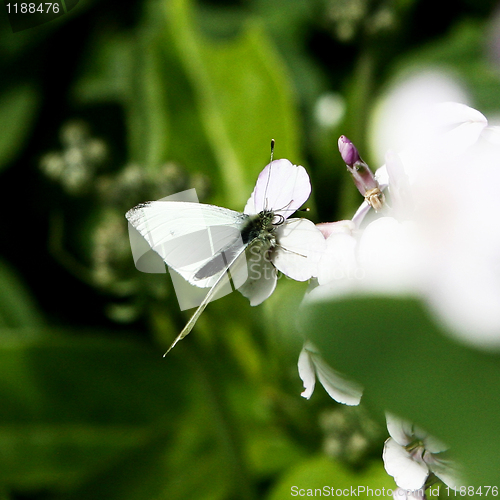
{"points": [[18, 107], [17, 306], [463, 54], [244, 98], [165, 95], [409, 366], [62, 415]]}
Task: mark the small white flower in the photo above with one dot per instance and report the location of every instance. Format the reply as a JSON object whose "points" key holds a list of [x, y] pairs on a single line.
{"points": [[339, 388], [410, 455], [298, 244]]}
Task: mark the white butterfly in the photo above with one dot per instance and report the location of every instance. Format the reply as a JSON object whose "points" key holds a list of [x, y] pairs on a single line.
{"points": [[210, 246]]}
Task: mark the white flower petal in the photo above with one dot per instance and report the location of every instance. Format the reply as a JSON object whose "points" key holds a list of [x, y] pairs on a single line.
{"points": [[434, 445], [402, 115], [363, 209], [447, 471], [281, 187], [391, 256], [341, 226], [339, 259], [300, 247], [399, 185], [307, 373], [398, 463], [338, 387], [452, 116], [400, 430]]}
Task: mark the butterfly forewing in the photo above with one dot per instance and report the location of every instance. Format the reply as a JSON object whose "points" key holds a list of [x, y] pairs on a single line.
{"points": [[187, 235]]}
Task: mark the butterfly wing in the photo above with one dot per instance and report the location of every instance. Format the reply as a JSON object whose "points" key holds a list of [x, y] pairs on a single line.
{"points": [[188, 236]]}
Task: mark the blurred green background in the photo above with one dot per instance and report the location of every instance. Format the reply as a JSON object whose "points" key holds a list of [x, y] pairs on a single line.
{"points": [[113, 104]]}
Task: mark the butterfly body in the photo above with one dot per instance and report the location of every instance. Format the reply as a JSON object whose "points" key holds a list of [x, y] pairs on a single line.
{"points": [[256, 230], [260, 227]]}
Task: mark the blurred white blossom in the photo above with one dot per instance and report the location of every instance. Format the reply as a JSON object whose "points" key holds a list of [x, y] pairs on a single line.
{"points": [[439, 238], [401, 114]]}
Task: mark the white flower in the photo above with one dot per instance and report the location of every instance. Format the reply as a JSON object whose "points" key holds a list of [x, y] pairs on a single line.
{"points": [[298, 245], [439, 237], [401, 114], [336, 385], [447, 232], [410, 455]]}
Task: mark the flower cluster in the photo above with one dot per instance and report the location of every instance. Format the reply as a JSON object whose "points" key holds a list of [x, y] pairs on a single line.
{"points": [[434, 235], [439, 237]]}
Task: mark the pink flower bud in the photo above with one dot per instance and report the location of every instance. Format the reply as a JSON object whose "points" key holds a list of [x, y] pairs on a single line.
{"points": [[348, 151], [363, 177]]}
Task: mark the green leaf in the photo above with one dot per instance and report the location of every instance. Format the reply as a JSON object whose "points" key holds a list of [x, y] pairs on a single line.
{"points": [[17, 306], [244, 96], [137, 474], [409, 366], [74, 406], [149, 124], [107, 70], [270, 451], [129, 70], [462, 55], [321, 476], [18, 107]]}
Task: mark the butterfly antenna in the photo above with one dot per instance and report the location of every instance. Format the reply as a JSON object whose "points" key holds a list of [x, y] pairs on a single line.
{"points": [[270, 166]]}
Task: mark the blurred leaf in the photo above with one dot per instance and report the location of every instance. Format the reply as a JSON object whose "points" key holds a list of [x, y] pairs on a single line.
{"points": [[244, 95], [464, 51], [18, 108], [74, 406], [126, 68], [149, 114], [107, 70], [139, 71], [410, 367], [137, 474], [202, 462], [271, 452], [17, 306], [197, 464], [323, 474], [464, 54]]}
